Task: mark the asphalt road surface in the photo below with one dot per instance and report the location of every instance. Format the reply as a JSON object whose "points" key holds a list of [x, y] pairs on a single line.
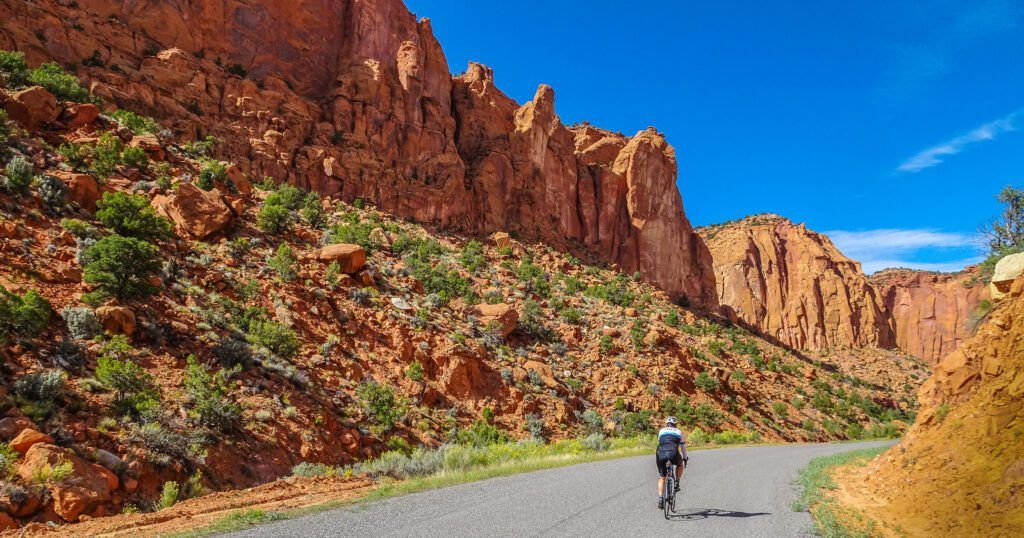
{"points": [[726, 492]]}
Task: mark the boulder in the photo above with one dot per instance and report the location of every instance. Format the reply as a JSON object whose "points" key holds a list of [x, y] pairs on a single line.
{"points": [[27, 438], [7, 522], [503, 314], [82, 188], [1007, 270], [150, 145], [79, 115], [501, 239], [40, 106], [195, 212], [12, 426], [238, 179], [80, 493], [351, 258], [117, 319]]}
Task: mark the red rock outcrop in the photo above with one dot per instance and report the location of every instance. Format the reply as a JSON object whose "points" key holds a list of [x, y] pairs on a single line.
{"points": [[794, 285], [931, 312], [354, 98]]}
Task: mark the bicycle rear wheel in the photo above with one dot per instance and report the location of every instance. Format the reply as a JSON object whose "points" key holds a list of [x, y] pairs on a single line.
{"points": [[669, 494]]}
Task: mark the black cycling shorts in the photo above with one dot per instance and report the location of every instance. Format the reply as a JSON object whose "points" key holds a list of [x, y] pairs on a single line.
{"points": [[663, 459]]}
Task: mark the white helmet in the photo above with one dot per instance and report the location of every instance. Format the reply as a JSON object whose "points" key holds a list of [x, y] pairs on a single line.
{"points": [[671, 421]]}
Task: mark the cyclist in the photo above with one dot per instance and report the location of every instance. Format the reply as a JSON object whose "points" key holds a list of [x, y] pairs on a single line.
{"points": [[671, 448]]}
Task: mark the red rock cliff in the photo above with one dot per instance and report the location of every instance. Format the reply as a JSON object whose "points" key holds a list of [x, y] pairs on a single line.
{"points": [[354, 98], [931, 312], [792, 284]]}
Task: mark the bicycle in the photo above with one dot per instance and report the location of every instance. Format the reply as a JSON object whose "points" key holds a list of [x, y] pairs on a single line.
{"points": [[669, 495]]}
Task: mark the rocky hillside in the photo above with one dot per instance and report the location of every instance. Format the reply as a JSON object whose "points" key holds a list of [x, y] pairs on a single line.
{"points": [[165, 318], [355, 99], [793, 285], [960, 470]]}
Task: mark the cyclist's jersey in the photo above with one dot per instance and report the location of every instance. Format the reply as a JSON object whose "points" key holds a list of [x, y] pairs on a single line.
{"points": [[669, 440]]}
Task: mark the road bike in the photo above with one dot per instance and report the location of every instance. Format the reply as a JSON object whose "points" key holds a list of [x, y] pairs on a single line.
{"points": [[669, 495]]}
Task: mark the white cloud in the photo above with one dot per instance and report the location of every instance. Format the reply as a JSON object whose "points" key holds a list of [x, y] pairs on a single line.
{"points": [[894, 247], [874, 266], [935, 154]]}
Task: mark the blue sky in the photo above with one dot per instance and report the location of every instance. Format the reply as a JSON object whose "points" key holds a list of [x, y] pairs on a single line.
{"points": [[890, 125]]}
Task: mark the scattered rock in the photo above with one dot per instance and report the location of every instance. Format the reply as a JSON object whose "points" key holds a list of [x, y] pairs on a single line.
{"points": [[27, 438], [150, 145], [1007, 270], [39, 104], [197, 213], [503, 314], [80, 493], [501, 239], [117, 319], [350, 258], [79, 115], [82, 188]]}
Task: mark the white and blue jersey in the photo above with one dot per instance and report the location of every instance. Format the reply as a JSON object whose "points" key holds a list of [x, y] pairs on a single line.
{"points": [[670, 439]]}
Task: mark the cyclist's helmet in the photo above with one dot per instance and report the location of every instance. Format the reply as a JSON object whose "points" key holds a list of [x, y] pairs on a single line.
{"points": [[671, 422]]}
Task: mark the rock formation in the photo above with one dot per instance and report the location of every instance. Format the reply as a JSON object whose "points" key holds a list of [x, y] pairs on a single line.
{"points": [[960, 469], [355, 99], [794, 285], [931, 312]]}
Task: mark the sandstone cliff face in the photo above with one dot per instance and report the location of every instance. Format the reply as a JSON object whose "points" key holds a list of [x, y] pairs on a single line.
{"points": [[960, 469], [354, 98], [793, 285], [931, 312]]}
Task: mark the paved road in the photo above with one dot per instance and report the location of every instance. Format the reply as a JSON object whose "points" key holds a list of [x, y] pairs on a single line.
{"points": [[726, 492]]}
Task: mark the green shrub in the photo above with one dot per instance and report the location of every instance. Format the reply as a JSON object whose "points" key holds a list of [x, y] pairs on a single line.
{"points": [[274, 219], [706, 382], [209, 392], [415, 371], [5, 127], [211, 173], [283, 262], [481, 434], [36, 393], [60, 83], [707, 415], [138, 123], [76, 155], [380, 404], [309, 470], [472, 256], [275, 337], [131, 215], [780, 409], [638, 423], [53, 192], [591, 422], [168, 495], [8, 457], [121, 266], [738, 375], [615, 292], [107, 154], [24, 315], [134, 391], [596, 442], [18, 175], [672, 319], [13, 68], [355, 230], [135, 158], [606, 345], [82, 322]]}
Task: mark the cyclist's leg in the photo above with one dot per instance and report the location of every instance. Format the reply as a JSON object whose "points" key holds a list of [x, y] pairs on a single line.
{"points": [[662, 470], [679, 469]]}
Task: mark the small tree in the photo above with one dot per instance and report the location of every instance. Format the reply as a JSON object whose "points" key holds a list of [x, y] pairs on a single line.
{"points": [[17, 175], [283, 262], [131, 215], [134, 391], [276, 338], [706, 382], [209, 392], [1007, 232], [380, 404], [121, 266], [24, 315]]}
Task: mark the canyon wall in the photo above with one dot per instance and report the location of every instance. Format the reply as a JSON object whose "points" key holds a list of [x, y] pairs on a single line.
{"points": [[354, 98], [792, 284], [932, 313]]}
